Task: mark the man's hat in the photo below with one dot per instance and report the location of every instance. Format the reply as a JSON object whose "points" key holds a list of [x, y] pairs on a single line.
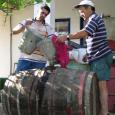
{"points": [[85, 2]]}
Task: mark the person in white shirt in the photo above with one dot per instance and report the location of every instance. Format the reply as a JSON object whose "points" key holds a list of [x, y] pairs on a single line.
{"points": [[36, 59]]}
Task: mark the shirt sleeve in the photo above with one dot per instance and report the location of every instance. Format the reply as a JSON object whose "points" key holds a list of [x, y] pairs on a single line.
{"points": [[26, 22], [50, 31], [91, 26]]}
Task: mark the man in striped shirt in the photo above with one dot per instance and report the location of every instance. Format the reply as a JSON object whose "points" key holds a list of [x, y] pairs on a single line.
{"points": [[99, 54]]}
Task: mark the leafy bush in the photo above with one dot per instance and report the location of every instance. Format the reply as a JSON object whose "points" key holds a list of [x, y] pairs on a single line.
{"points": [[8, 5]]}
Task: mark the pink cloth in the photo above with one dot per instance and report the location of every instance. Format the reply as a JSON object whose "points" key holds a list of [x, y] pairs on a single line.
{"points": [[62, 55]]}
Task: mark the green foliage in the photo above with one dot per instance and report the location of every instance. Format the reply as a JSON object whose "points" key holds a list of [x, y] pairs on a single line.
{"points": [[8, 5], [48, 1]]}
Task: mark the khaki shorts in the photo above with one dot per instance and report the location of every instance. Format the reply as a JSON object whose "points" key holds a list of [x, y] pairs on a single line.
{"points": [[102, 67]]}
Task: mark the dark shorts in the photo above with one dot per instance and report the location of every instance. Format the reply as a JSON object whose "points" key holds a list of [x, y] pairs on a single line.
{"points": [[26, 65], [102, 67]]}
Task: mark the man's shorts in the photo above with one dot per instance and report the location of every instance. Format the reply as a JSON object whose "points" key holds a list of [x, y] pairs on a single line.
{"points": [[26, 65], [102, 67]]}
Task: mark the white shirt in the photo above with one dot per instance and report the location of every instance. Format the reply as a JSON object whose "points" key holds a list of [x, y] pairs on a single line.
{"points": [[42, 29]]}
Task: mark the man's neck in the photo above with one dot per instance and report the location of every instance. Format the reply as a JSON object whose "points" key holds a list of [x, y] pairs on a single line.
{"points": [[90, 13], [39, 20]]}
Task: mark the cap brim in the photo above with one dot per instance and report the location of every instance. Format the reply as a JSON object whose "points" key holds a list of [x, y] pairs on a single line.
{"points": [[77, 6]]}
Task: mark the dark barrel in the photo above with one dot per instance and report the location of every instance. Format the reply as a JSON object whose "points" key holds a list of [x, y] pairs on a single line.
{"points": [[61, 92], [2, 81]]}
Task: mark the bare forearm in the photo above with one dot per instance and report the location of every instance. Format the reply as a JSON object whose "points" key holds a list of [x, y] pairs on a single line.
{"points": [[78, 35], [18, 29]]}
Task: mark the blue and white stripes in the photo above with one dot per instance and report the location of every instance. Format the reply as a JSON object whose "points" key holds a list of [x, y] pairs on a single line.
{"points": [[97, 45]]}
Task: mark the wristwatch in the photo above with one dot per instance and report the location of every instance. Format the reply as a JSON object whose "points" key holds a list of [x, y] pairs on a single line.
{"points": [[68, 38]]}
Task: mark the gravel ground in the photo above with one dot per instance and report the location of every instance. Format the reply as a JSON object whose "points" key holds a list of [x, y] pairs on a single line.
{"points": [[112, 114], [2, 113], [1, 110]]}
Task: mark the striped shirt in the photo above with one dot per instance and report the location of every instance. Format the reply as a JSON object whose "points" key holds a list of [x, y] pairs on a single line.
{"points": [[97, 44]]}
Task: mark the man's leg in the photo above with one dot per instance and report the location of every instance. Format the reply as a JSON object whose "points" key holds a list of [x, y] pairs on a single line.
{"points": [[103, 97]]}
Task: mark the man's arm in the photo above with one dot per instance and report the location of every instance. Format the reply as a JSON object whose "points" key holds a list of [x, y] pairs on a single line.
{"points": [[19, 28], [76, 35]]}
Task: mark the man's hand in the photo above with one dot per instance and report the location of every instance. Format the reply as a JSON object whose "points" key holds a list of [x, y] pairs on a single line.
{"points": [[62, 38], [84, 58]]}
